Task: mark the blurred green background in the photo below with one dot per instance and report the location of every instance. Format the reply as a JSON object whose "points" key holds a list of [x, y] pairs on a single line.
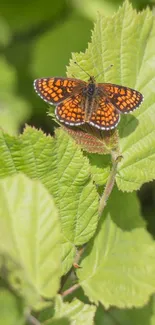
{"points": [[36, 40]]}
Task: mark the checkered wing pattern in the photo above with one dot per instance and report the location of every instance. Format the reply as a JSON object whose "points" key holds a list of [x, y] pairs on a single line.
{"points": [[124, 99], [56, 90], [71, 111], [105, 116], [78, 102]]}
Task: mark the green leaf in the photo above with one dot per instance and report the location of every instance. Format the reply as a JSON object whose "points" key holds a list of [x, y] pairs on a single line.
{"points": [[126, 40], [68, 254], [100, 167], [90, 8], [76, 312], [11, 308], [60, 165], [59, 321], [118, 265], [125, 210], [30, 233], [138, 148], [134, 316]]}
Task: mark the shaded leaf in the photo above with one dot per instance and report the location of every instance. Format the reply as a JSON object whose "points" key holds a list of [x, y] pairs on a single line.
{"points": [[76, 312], [11, 308], [118, 266], [30, 235], [135, 316]]}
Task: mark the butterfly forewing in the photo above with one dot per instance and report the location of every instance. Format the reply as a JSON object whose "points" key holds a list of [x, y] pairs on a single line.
{"points": [[56, 90], [123, 98]]}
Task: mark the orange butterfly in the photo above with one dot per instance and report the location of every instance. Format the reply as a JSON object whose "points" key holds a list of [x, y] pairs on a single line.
{"points": [[78, 102]]}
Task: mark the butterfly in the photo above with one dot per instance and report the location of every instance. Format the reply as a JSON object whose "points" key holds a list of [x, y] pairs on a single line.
{"points": [[78, 102]]}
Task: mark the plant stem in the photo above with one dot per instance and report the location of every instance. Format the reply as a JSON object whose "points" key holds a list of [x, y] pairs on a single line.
{"points": [[109, 185], [79, 253], [107, 191], [32, 320], [70, 290]]}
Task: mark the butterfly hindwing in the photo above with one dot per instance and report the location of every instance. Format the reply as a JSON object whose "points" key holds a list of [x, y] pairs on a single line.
{"points": [[70, 111], [105, 116]]}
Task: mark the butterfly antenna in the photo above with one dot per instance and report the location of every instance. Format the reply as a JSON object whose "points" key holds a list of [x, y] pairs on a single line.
{"points": [[82, 69], [105, 70]]}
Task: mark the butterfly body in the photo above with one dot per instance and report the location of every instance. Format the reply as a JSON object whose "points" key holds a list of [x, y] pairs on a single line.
{"points": [[90, 95], [78, 102]]}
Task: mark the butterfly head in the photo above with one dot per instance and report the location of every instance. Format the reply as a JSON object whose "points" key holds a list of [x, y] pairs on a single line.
{"points": [[91, 80]]}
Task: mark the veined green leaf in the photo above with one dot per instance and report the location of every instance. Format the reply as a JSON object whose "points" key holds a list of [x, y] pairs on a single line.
{"points": [[60, 165], [30, 234], [118, 265], [76, 312], [126, 40]]}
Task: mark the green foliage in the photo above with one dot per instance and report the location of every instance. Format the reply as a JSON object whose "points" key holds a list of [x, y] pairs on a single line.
{"points": [[65, 172], [11, 308], [127, 41], [23, 22], [118, 266], [50, 190], [89, 8], [74, 312], [31, 232], [14, 110], [135, 316]]}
